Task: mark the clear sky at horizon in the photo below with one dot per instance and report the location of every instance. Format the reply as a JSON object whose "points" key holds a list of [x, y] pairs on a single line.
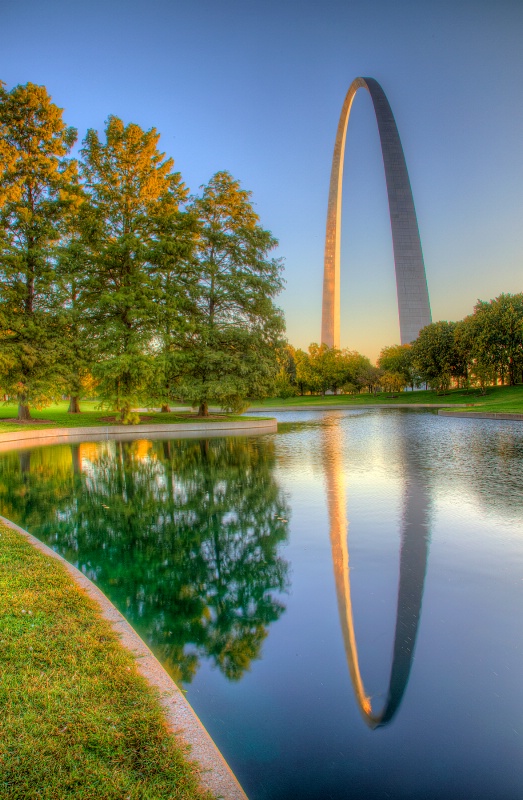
{"points": [[256, 88]]}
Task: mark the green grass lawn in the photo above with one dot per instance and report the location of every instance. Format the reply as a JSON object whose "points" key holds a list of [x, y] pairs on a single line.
{"points": [[91, 416], [77, 720], [498, 398]]}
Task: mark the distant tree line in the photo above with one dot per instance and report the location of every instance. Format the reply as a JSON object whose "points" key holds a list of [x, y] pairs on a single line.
{"points": [[323, 369], [483, 349], [115, 282]]}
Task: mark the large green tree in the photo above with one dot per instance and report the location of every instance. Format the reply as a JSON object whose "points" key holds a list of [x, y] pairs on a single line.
{"points": [[323, 368], [396, 363], [354, 366], [435, 356], [326, 370], [492, 339], [175, 289], [230, 347], [77, 345], [38, 196], [285, 381], [134, 195]]}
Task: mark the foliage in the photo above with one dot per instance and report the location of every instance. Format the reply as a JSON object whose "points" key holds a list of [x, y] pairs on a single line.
{"points": [[435, 356], [285, 381], [175, 289], [370, 378], [325, 368], [77, 344], [356, 370], [113, 282], [397, 365], [491, 339], [38, 196], [229, 346], [133, 198]]}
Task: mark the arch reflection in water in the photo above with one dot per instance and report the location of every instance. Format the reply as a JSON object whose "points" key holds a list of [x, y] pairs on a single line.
{"points": [[413, 565]]}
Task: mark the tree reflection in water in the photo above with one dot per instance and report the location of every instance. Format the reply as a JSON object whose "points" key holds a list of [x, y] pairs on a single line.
{"points": [[182, 535]]}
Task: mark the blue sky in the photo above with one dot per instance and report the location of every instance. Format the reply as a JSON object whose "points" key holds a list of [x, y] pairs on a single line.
{"points": [[256, 88]]}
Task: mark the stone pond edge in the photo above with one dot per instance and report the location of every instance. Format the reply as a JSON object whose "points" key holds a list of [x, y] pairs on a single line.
{"points": [[214, 772], [102, 432], [504, 415]]}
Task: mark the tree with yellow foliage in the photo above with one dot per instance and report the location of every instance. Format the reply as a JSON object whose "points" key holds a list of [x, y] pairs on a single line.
{"points": [[133, 197], [38, 196]]}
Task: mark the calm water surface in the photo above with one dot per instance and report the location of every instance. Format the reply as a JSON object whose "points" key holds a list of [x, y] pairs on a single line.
{"points": [[342, 601]]}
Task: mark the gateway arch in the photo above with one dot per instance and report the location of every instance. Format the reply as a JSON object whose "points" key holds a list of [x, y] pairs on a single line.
{"points": [[411, 283]]}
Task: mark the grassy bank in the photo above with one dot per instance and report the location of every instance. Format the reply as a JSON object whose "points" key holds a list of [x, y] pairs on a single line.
{"points": [[57, 416], [498, 398], [77, 720]]}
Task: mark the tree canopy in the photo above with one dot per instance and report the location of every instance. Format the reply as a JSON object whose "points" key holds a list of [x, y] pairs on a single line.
{"points": [[113, 280], [38, 196], [229, 347], [133, 195]]}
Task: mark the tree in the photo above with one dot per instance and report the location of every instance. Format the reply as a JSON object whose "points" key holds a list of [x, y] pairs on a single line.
{"points": [[370, 378], [38, 195], [133, 198], [396, 362], [435, 356], [354, 365], [304, 377], [325, 367], [77, 345], [493, 337], [173, 268], [285, 381], [229, 349]]}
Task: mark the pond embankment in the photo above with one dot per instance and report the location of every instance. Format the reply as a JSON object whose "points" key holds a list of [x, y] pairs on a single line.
{"points": [[513, 417], [43, 436], [106, 713]]}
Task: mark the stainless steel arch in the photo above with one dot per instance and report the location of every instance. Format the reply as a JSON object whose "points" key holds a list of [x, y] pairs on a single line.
{"points": [[411, 282]]}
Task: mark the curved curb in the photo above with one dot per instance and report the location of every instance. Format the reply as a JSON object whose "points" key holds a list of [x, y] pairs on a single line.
{"points": [[102, 432], [215, 773], [505, 415]]}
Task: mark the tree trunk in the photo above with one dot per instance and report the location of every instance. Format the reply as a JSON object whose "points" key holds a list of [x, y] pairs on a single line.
{"points": [[203, 410], [165, 408], [23, 410], [74, 405]]}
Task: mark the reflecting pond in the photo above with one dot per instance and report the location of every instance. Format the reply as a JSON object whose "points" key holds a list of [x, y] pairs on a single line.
{"points": [[342, 601]]}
